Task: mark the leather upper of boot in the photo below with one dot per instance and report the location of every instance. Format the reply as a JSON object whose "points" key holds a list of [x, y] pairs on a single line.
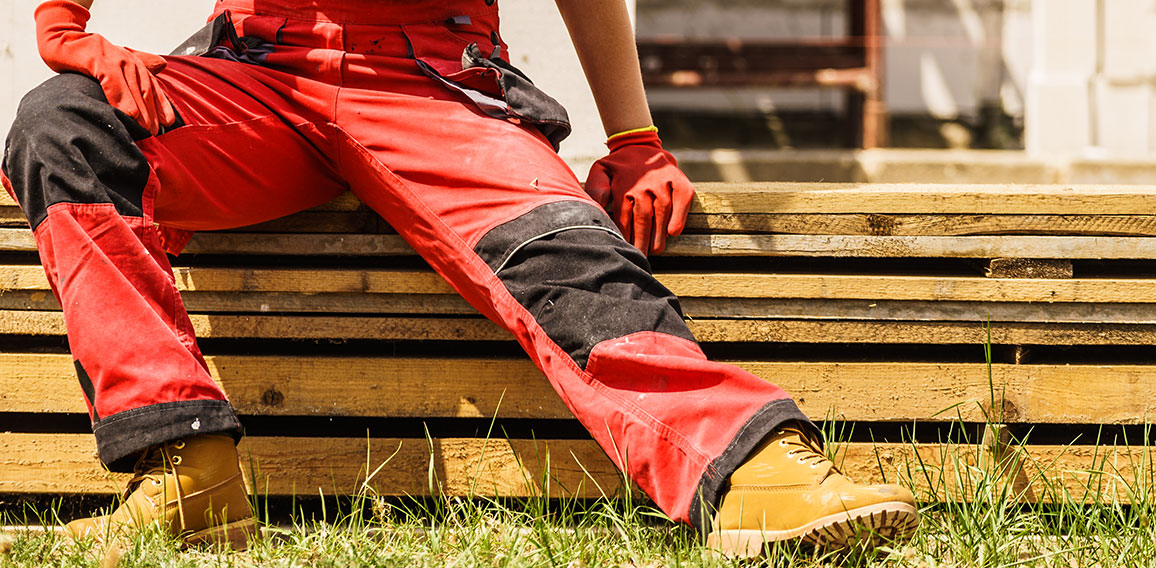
{"points": [[188, 485], [788, 482]]}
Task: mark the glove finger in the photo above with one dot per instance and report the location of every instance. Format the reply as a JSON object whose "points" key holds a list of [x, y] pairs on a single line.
{"points": [[123, 95], [142, 98], [643, 221], [659, 225], [151, 61], [624, 216], [598, 185], [681, 196], [158, 103]]}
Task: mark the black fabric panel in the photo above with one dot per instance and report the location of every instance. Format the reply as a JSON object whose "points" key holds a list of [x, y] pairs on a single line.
{"points": [[581, 281], [68, 145], [767, 420], [120, 438], [525, 100], [87, 387]]}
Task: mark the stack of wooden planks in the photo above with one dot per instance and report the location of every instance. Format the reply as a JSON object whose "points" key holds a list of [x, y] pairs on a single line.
{"points": [[878, 306]]}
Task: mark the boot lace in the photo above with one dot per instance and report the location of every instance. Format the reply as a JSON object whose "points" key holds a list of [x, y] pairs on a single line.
{"points": [[805, 451], [151, 466]]}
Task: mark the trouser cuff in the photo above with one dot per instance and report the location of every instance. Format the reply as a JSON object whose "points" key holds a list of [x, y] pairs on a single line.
{"points": [[771, 417], [120, 438]]}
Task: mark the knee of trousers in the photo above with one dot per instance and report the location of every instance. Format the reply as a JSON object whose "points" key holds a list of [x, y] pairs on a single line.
{"points": [[69, 145], [568, 265]]}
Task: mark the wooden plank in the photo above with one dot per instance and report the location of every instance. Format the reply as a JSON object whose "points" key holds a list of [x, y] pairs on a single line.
{"points": [[925, 333], [921, 225], [365, 221], [686, 285], [322, 221], [693, 308], [1029, 268], [939, 199], [513, 388], [886, 198], [65, 463], [37, 323], [321, 386], [287, 302], [839, 246]]}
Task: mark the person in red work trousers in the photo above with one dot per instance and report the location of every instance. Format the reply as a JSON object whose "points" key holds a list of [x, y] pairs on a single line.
{"points": [[281, 105]]}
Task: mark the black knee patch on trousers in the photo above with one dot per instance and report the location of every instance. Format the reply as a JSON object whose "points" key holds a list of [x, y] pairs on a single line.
{"points": [[584, 284], [68, 145]]}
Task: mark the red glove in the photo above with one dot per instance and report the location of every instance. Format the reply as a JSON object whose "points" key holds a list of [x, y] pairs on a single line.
{"points": [[126, 76], [641, 187]]}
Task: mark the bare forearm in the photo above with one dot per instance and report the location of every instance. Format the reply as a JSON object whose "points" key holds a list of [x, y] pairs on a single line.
{"points": [[604, 40]]}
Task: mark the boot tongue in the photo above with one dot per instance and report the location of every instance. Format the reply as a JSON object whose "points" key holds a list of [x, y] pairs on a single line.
{"points": [[149, 466]]}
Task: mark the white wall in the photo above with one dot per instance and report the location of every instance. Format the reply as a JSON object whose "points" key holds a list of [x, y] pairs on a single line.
{"points": [[1093, 91], [152, 26], [538, 40]]}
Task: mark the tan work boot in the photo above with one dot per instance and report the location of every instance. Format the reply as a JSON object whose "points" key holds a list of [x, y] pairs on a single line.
{"points": [[788, 489], [192, 487]]}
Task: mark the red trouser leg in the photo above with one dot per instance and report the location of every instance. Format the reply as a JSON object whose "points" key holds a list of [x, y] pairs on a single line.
{"points": [[497, 213], [93, 184]]}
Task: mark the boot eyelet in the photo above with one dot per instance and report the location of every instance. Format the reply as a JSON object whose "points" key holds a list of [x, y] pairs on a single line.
{"points": [[179, 444], [158, 482], [176, 460]]}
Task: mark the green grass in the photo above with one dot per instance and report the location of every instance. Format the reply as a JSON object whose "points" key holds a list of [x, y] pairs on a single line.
{"points": [[985, 524]]}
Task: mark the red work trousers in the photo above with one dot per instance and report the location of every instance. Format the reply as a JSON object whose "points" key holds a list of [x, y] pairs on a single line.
{"points": [[369, 97]]}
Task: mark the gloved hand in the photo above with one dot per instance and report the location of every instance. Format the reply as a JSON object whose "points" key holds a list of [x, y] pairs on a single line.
{"points": [[641, 187], [125, 75]]}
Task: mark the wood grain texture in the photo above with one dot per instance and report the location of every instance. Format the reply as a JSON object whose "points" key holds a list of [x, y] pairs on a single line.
{"points": [[741, 330], [65, 463], [762, 197], [882, 198], [721, 245], [513, 388], [915, 225], [694, 308], [684, 285], [363, 220]]}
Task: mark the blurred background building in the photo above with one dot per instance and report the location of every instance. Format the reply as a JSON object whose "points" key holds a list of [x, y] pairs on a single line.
{"points": [[1050, 79]]}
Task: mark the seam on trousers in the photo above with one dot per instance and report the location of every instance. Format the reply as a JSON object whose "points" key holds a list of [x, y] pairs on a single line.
{"points": [[522, 245]]}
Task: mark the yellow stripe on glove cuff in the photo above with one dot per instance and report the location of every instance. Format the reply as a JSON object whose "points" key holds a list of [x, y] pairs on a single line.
{"points": [[651, 128]]}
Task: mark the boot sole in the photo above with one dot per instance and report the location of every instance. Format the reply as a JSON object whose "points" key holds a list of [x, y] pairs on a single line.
{"points": [[875, 524], [235, 534]]}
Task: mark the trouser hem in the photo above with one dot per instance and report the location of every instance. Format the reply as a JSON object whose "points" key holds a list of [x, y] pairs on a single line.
{"points": [[771, 417], [123, 436]]}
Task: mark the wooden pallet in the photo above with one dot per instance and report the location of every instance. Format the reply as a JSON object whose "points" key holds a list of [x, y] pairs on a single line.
{"points": [[871, 303]]}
